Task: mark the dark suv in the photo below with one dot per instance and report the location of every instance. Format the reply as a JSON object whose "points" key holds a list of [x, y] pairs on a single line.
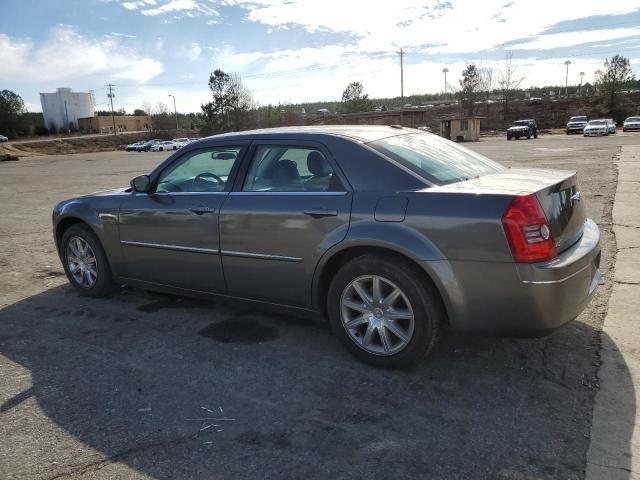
{"points": [[523, 128]]}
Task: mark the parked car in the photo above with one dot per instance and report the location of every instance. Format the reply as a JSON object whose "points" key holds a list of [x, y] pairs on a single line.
{"points": [[611, 123], [631, 124], [3, 139], [180, 142], [522, 128], [576, 124], [596, 128], [164, 146], [391, 233], [146, 146], [133, 147]]}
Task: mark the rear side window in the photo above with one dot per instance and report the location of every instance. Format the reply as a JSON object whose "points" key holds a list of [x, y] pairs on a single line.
{"points": [[437, 160], [282, 168]]}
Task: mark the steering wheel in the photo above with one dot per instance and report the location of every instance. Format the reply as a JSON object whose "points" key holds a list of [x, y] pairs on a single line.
{"points": [[205, 175]]}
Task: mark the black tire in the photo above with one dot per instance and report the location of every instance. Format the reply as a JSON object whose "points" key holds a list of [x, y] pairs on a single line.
{"points": [[508, 137], [535, 135], [528, 136], [104, 284], [429, 314]]}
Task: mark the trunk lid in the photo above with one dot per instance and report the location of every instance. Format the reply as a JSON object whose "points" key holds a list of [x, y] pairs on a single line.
{"points": [[556, 190]]}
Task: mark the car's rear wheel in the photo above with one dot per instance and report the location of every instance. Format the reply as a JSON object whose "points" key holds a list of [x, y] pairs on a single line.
{"points": [[85, 262], [383, 311]]}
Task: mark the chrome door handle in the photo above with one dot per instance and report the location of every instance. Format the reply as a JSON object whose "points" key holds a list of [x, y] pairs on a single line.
{"points": [[321, 212], [199, 210]]}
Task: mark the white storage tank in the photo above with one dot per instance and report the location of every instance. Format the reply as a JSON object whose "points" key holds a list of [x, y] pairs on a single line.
{"points": [[65, 107]]}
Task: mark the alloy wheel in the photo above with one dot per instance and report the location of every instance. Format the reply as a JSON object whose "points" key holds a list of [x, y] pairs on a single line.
{"points": [[377, 315], [82, 262]]}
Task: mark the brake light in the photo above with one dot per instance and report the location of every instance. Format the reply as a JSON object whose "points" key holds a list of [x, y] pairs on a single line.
{"points": [[527, 230]]}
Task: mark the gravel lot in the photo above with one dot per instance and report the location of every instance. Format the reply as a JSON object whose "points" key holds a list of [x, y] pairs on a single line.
{"points": [[110, 388]]}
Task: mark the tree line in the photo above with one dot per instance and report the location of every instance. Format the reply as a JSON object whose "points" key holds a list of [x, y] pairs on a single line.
{"points": [[231, 106]]}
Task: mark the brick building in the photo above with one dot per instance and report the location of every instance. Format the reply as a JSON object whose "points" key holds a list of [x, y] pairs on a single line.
{"points": [[124, 123]]}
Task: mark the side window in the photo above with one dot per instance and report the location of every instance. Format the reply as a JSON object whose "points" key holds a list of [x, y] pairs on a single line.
{"points": [[281, 168], [205, 170]]}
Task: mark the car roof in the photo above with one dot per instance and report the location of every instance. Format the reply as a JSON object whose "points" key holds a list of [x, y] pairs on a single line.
{"points": [[359, 133]]}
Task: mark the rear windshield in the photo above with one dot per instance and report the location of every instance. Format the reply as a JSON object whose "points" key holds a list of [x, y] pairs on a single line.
{"points": [[437, 160], [578, 119]]}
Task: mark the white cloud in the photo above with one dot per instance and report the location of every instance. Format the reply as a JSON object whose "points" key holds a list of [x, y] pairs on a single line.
{"points": [[455, 26], [159, 7], [193, 52], [67, 55], [570, 39]]}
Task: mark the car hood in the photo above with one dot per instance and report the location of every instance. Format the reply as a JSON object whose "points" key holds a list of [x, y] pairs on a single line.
{"points": [[114, 191], [595, 127], [518, 127]]}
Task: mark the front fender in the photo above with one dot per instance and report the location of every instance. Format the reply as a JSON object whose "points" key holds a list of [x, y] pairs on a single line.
{"points": [[100, 214]]}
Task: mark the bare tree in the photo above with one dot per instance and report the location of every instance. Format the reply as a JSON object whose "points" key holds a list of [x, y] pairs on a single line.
{"points": [[509, 80], [486, 84]]}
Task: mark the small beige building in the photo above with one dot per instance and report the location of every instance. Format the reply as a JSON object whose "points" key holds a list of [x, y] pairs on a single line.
{"points": [[124, 123], [461, 129]]}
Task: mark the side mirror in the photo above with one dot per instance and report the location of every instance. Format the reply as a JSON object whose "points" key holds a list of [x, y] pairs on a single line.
{"points": [[141, 184]]}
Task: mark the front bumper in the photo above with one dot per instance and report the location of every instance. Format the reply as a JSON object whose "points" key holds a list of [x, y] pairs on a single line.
{"points": [[630, 128], [575, 128], [595, 133], [524, 299]]}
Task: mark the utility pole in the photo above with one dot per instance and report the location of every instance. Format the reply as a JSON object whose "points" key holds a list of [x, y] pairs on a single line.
{"points": [[566, 79], [110, 95], [445, 70], [401, 53], [175, 112], [580, 89]]}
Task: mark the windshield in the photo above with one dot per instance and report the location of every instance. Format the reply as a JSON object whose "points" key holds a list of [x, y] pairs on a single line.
{"points": [[597, 122], [578, 119], [521, 123], [437, 160], [633, 119]]}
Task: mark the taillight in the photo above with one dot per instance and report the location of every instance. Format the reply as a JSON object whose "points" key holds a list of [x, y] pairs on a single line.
{"points": [[527, 230]]}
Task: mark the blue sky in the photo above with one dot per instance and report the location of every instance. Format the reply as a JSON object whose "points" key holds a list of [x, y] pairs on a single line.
{"points": [[299, 50]]}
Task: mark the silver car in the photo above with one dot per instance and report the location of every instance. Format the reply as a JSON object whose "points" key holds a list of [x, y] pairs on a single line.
{"points": [[596, 128], [391, 233], [631, 124]]}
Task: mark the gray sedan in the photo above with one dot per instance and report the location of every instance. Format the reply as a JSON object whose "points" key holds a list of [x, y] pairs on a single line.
{"points": [[391, 233]]}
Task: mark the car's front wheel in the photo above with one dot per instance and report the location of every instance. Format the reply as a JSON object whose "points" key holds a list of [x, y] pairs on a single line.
{"points": [[384, 311], [85, 262]]}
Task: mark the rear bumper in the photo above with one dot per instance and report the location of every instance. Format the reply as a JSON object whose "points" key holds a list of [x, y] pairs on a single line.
{"points": [[524, 299]]}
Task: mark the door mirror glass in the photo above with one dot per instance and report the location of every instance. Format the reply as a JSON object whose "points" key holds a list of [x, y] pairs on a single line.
{"points": [[141, 184]]}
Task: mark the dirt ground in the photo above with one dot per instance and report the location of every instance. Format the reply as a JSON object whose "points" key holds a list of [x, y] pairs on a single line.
{"points": [[111, 388]]}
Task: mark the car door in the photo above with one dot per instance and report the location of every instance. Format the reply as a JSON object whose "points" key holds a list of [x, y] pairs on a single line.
{"points": [[170, 236], [291, 205]]}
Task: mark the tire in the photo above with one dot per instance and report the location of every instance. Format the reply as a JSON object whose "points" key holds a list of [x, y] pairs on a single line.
{"points": [[103, 284], [160, 149], [528, 136], [508, 137], [417, 296]]}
